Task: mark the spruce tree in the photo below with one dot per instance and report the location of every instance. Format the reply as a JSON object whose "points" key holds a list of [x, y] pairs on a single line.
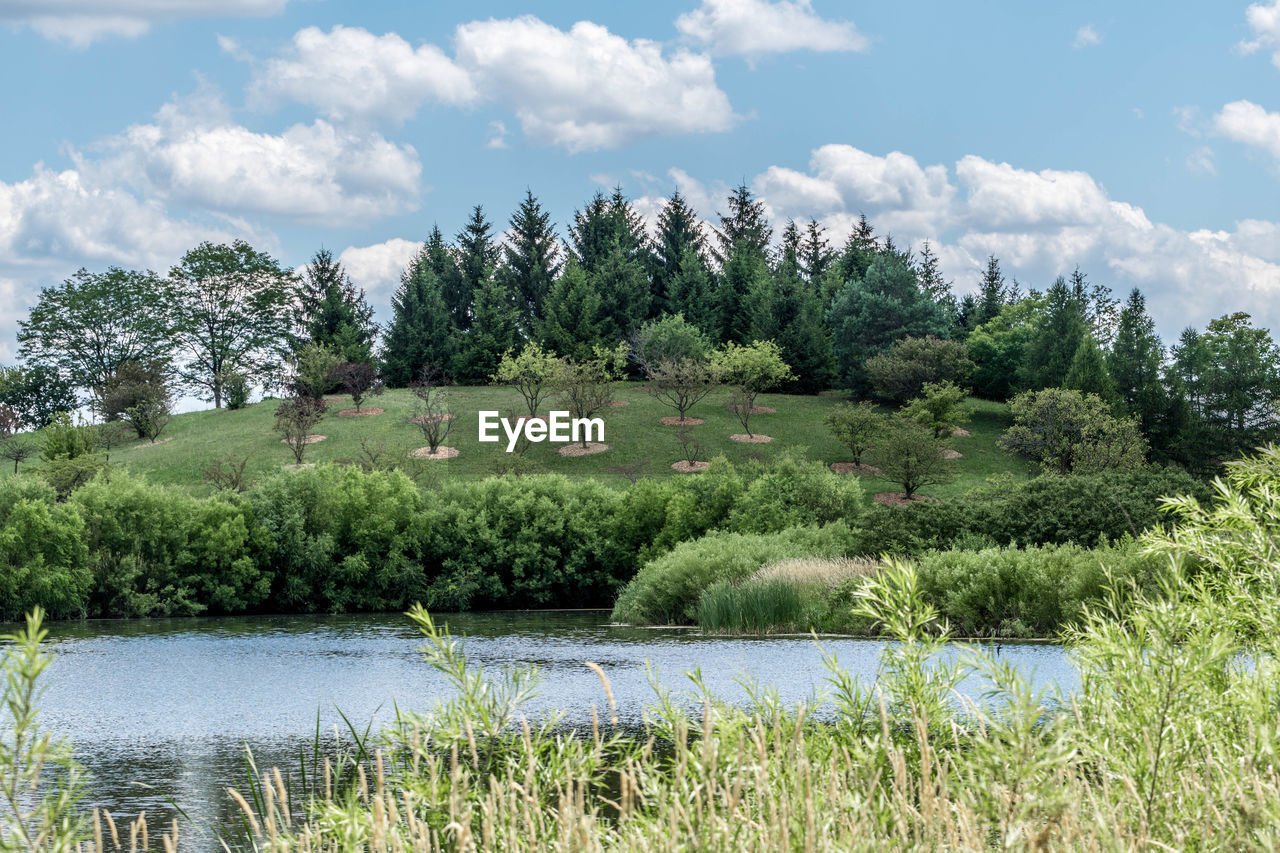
{"points": [[532, 255], [573, 321], [744, 275], [816, 257], [691, 292], [624, 292], [792, 317], [477, 258], [991, 292], [333, 312], [420, 332], [494, 330], [604, 222], [678, 232], [1056, 339], [860, 251], [1088, 373], [745, 227], [1134, 362]]}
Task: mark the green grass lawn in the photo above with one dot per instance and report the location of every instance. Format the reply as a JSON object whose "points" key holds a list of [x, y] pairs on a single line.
{"points": [[633, 433]]}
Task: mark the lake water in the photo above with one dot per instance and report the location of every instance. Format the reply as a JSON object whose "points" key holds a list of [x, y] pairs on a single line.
{"points": [[160, 711]]}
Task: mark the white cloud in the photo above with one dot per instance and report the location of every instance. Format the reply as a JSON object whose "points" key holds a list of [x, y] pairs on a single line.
{"points": [[588, 88], [350, 73], [1200, 161], [377, 268], [754, 27], [1086, 36], [1250, 124], [81, 22], [1264, 20], [193, 153], [497, 135]]}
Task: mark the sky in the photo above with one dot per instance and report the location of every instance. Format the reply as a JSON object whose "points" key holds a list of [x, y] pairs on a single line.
{"points": [[1137, 141]]}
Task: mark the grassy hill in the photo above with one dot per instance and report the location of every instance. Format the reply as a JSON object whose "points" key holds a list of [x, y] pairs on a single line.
{"points": [[633, 432]]}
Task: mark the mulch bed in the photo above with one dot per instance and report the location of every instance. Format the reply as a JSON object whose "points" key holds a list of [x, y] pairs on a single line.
{"points": [[441, 453], [674, 421], [948, 453], [352, 413], [685, 467], [153, 443], [428, 419], [577, 449], [311, 439], [960, 433], [855, 468], [900, 499], [750, 439]]}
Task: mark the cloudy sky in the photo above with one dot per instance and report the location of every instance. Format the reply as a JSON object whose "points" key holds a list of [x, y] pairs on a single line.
{"points": [[1140, 141]]}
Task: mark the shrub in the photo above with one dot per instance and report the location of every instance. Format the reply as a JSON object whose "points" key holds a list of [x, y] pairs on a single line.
{"points": [[531, 373], [1067, 432], [900, 374], [43, 556], [668, 589], [681, 384], [133, 384], [668, 338], [792, 493], [295, 419], [359, 380], [939, 408], [235, 386], [856, 426], [315, 370], [911, 456]]}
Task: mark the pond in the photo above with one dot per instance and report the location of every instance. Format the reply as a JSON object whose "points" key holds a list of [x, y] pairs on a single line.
{"points": [[160, 711]]}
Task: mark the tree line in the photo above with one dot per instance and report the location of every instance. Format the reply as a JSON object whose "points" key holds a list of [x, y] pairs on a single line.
{"points": [[867, 316]]}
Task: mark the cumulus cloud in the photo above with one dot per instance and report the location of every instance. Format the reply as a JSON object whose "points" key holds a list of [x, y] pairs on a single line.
{"points": [[377, 268], [1250, 124], [1264, 20], [588, 88], [1086, 36], [81, 22], [754, 27], [349, 72], [195, 154]]}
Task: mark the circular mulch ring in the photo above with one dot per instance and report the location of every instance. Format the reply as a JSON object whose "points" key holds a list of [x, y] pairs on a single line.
{"points": [[441, 453], [960, 433], [855, 468], [755, 410], [153, 443], [294, 466], [592, 447], [618, 404], [900, 499], [948, 453], [311, 439], [352, 413], [750, 439], [430, 419], [677, 422], [684, 466]]}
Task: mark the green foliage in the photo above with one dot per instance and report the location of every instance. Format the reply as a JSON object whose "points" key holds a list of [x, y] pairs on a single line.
{"points": [[1088, 373], [791, 493], [900, 373], [669, 338], [43, 558], [333, 313], [295, 418], [752, 607], [531, 256], [315, 370], [856, 425], [1067, 432], [585, 388], [1057, 336], [37, 394], [531, 372], [420, 332], [231, 312], [999, 347], [64, 439], [911, 456], [92, 323], [132, 384], [667, 590], [493, 331], [681, 383], [679, 270], [940, 408], [236, 386], [573, 319], [753, 368]]}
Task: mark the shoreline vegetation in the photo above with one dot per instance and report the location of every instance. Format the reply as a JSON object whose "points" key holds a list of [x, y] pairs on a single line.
{"points": [[1167, 743]]}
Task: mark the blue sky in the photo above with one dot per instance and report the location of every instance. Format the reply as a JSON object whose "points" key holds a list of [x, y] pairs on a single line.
{"points": [[1139, 141]]}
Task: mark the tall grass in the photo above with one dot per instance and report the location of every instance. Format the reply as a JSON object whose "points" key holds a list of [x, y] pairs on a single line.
{"points": [[757, 607]]}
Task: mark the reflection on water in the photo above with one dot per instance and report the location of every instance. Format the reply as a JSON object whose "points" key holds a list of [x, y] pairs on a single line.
{"points": [[160, 711]]}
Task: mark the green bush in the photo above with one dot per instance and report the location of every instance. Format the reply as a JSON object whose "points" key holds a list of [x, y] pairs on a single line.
{"points": [[791, 493], [668, 589], [43, 556]]}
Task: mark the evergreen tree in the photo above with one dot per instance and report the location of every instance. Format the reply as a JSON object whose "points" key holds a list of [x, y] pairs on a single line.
{"points": [[573, 321], [624, 292], [1101, 311], [494, 330], [1056, 339], [532, 257], [678, 232], [477, 258], [333, 312], [691, 292], [745, 227], [743, 278], [991, 292], [1088, 373], [792, 317], [816, 257], [938, 288], [860, 251], [870, 313], [420, 333], [1134, 363], [604, 222]]}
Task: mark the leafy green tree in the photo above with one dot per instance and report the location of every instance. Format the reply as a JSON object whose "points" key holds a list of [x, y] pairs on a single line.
{"points": [[89, 325], [1088, 373], [1058, 334], [900, 373], [532, 372], [681, 382], [679, 242], [856, 426], [134, 384], [532, 260], [1232, 375], [476, 261], [420, 332], [1067, 432], [585, 388], [333, 312], [232, 311], [36, 393], [573, 321], [939, 408], [495, 330], [911, 456], [999, 347], [668, 338], [869, 314], [750, 370]]}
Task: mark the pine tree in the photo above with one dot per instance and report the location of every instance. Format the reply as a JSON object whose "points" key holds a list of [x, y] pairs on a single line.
{"points": [[792, 317], [691, 293], [420, 333], [333, 312], [477, 257], [938, 288], [991, 292], [494, 331], [624, 292], [1134, 363], [573, 320], [816, 257], [532, 256], [1056, 339], [860, 250], [745, 227], [678, 232], [743, 274], [1088, 372], [604, 223]]}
